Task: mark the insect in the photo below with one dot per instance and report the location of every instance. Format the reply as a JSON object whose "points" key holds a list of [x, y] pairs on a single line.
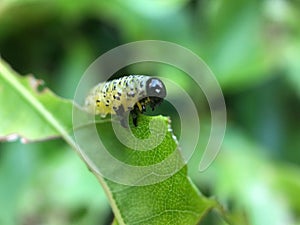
{"points": [[126, 94]]}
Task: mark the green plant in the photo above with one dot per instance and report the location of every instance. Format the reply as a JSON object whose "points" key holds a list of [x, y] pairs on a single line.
{"points": [[33, 113]]}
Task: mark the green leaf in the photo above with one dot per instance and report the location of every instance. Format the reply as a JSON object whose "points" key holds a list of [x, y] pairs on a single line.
{"points": [[174, 200], [30, 111], [36, 114]]}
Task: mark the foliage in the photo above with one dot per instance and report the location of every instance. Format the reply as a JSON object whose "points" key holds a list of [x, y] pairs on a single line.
{"points": [[173, 200], [252, 47]]}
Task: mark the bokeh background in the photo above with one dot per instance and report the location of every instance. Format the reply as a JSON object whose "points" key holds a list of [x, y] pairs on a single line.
{"points": [[253, 48]]}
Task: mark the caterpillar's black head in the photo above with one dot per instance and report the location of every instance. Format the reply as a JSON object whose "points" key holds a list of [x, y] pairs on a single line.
{"points": [[155, 88]]}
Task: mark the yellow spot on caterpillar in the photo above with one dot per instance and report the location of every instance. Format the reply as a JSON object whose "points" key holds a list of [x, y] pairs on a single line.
{"points": [[139, 106]]}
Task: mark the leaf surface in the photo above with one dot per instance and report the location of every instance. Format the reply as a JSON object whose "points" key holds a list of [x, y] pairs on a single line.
{"points": [[30, 111], [35, 113], [174, 200]]}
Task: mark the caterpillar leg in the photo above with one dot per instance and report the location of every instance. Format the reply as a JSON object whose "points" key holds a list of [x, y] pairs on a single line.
{"points": [[154, 102], [134, 115], [120, 111], [140, 107], [123, 122]]}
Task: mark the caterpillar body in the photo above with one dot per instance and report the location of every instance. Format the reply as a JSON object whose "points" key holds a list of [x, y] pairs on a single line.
{"points": [[126, 94]]}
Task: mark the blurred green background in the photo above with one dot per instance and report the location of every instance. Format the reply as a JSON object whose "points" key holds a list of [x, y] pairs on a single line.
{"points": [[253, 48]]}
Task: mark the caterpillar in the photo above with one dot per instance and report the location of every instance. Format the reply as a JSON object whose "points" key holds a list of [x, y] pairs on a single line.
{"points": [[126, 94]]}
